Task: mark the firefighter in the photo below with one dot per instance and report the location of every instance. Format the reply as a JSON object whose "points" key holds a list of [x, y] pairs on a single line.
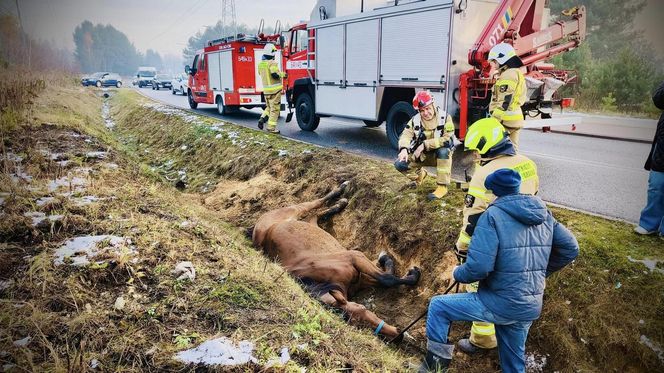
{"points": [[510, 91], [435, 131], [490, 139], [271, 77]]}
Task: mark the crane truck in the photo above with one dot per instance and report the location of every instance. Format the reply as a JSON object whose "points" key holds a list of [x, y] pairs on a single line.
{"points": [[366, 59]]}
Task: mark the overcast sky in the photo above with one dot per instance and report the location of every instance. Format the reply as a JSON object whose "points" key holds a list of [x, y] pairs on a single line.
{"points": [[162, 25], [166, 25]]}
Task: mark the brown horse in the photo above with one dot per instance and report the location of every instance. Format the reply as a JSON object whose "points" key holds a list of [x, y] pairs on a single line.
{"points": [[292, 236]]}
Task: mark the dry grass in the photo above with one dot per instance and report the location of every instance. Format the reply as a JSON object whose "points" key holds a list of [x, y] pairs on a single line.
{"points": [[233, 175]]}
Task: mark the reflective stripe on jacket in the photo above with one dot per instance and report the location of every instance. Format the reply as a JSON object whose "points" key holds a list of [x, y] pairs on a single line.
{"points": [[437, 135]]}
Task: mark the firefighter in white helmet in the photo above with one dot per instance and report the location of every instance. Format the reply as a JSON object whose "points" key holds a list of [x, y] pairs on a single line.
{"points": [[271, 77], [489, 138], [510, 91], [427, 140]]}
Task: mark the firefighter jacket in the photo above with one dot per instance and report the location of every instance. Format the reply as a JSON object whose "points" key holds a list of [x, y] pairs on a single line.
{"points": [[478, 197], [509, 93], [655, 161], [516, 245], [271, 85], [438, 131]]}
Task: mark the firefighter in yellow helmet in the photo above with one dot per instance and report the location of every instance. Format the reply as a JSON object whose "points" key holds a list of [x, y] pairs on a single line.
{"points": [[510, 91], [271, 77], [427, 140], [490, 139]]}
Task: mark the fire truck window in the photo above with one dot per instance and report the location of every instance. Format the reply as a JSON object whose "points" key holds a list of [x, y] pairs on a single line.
{"points": [[299, 41], [202, 66], [195, 63]]}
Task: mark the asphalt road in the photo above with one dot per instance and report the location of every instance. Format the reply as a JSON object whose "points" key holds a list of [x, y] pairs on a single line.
{"points": [[597, 175]]}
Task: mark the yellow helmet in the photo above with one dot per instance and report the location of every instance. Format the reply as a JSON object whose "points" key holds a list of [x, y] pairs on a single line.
{"points": [[484, 135]]}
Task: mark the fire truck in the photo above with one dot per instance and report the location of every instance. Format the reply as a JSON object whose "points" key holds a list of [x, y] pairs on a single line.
{"points": [[366, 59], [225, 72]]}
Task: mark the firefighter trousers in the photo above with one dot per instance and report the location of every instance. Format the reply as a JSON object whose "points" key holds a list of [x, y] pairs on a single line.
{"points": [[272, 110], [441, 158]]}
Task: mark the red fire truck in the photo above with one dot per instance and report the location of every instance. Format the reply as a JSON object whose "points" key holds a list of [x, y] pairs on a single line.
{"points": [[366, 59], [225, 72]]}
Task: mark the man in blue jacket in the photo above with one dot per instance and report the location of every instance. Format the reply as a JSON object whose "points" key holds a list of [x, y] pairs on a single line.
{"points": [[516, 244]]}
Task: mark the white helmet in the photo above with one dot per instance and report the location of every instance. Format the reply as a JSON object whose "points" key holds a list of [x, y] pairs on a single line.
{"points": [[501, 52], [269, 49]]}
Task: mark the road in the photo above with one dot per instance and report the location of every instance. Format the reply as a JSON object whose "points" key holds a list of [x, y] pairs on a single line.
{"points": [[597, 175]]}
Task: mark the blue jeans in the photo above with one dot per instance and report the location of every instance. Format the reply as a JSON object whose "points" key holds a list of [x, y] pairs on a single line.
{"points": [[511, 334], [652, 216]]}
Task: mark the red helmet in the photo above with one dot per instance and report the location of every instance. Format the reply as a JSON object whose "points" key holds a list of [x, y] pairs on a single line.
{"points": [[422, 99]]}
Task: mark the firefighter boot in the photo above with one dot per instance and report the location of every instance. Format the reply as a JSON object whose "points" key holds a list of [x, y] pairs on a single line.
{"points": [[438, 357], [439, 193], [261, 122], [419, 176]]}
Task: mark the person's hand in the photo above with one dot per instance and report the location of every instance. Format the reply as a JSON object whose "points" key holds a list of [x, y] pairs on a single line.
{"points": [[418, 151], [403, 155]]}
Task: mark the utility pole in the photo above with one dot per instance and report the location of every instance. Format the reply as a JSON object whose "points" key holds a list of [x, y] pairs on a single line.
{"points": [[228, 19], [23, 35]]}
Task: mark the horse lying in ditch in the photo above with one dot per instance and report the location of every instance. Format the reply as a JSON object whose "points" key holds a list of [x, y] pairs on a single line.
{"points": [[328, 270]]}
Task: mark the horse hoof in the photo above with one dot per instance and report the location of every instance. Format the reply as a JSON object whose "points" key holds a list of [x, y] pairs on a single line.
{"points": [[382, 257], [342, 203], [344, 184], [415, 272]]}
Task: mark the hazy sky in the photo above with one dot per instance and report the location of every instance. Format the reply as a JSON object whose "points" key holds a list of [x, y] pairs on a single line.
{"points": [[165, 25]]}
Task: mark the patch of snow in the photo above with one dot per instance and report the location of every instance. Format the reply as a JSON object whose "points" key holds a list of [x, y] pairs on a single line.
{"points": [[13, 157], [94, 364], [218, 136], [656, 349], [283, 153], [111, 166], [85, 200], [219, 351], [183, 147], [283, 358], [44, 200], [77, 184], [651, 264], [81, 249], [63, 163], [535, 363], [185, 270], [22, 342], [96, 155], [38, 217], [5, 284]]}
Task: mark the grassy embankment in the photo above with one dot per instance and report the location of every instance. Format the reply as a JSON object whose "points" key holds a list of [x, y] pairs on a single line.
{"points": [[595, 312]]}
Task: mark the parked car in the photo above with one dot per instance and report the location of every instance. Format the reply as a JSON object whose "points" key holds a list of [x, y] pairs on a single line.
{"points": [[180, 84], [94, 79], [111, 80], [161, 81]]}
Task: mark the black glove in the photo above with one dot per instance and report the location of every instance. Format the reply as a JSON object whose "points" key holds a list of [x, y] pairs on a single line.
{"points": [[460, 254]]}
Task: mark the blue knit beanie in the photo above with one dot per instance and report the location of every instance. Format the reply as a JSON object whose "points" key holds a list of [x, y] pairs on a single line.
{"points": [[503, 182]]}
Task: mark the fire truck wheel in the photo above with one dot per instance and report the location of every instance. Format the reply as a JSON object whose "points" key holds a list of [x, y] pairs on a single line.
{"points": [[221, 108], [546, 116], [192, 104], [307, 119], [372, 123], [399, 114]]}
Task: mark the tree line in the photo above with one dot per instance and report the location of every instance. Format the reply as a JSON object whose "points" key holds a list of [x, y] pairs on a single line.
{"points": [[618, 68], [104, 48]]}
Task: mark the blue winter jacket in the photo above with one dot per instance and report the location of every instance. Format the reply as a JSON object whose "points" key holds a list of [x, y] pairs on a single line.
{"points": [[516, 244]]}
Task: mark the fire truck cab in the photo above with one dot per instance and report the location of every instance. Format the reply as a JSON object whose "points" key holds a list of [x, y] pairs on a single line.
{"points": [[225, 73]]}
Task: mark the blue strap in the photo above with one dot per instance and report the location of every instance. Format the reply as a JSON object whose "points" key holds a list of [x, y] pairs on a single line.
{"points": [[379, 327]]}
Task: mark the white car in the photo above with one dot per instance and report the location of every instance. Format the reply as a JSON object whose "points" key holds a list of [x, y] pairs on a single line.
{"points": [[179, 84]]}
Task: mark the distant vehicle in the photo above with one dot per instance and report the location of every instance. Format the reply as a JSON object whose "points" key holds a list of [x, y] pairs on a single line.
{"points": [[179, 84], [145, 75], [94, 79], [161, 81], [111, 80]]}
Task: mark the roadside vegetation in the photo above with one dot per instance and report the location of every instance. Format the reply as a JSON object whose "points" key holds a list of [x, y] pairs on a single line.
{"points": [[168, 186]]}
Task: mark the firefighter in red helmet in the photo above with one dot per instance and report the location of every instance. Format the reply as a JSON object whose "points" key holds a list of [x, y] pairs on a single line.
{"points": [[427, 140]]}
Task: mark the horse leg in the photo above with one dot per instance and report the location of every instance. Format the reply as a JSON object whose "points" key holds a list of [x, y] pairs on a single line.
{"points": [[304, 208], [335, 209], [358, 314], [375, 276], [386, 262]]}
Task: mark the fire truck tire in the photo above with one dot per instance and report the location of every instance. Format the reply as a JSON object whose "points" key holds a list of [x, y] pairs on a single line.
{"points": [[372, 123], [221, 108], [192, 104], [546, 116], [399, 114], [307, 119]]}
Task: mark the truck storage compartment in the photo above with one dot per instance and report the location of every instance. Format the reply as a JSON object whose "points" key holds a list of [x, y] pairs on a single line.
{"points": [[354, 102], [362, 52], [226, 61], [404, 55], [330, 55], [214, 71]]}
